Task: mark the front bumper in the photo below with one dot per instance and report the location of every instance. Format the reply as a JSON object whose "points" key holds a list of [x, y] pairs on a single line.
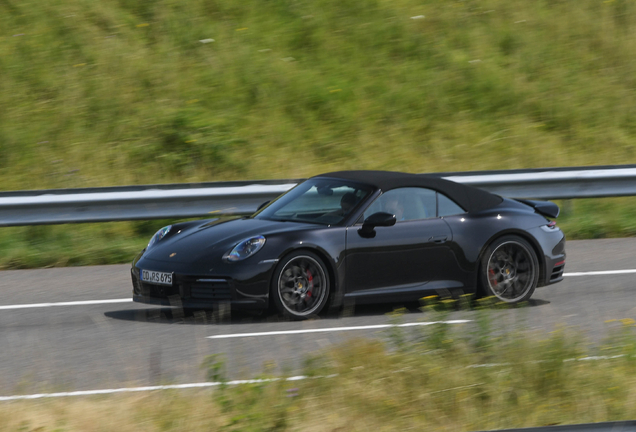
{"points": [[204, 292]]}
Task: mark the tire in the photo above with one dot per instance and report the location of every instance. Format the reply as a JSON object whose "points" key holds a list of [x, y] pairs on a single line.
{"points": [[509, 270], [300, 286]]}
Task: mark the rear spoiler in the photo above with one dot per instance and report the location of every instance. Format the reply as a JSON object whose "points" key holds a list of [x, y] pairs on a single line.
{"points": [[546, 208]]}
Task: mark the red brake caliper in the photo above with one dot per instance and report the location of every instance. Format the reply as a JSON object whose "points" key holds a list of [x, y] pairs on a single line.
{"points": [[493, 278], [310, 280]]}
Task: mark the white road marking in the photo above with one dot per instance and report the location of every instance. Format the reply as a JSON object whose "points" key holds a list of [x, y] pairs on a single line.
{"points": [[333, 329], [240, 382], [128, 300], [600, 273], [71, 303], [147, 388]]}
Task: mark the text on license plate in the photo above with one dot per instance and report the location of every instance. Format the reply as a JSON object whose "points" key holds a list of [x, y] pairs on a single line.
{"points": [[155, 277]]}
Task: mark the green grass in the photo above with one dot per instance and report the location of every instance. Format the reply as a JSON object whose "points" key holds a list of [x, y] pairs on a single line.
{"points": [[123, 92], [428, 378], [598, 218], [70, 245]]}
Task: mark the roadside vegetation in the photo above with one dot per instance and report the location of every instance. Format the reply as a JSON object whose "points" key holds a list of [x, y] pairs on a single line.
{"points": [[119, 242], [468, 378], [124, 92]]}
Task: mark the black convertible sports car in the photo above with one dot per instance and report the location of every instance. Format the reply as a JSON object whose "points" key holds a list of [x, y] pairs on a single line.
{"points": [[363, 236]]}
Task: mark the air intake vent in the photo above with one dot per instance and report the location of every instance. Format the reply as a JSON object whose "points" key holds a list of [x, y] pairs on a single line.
{"points": [[210, 289], [557, 271]]}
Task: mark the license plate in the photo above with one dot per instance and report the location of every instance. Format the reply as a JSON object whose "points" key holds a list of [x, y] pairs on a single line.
{"points": [[154, 277]]}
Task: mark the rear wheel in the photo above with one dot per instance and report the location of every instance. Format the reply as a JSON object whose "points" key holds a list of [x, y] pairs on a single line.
{"points": [[300, 287], [510, 269]]}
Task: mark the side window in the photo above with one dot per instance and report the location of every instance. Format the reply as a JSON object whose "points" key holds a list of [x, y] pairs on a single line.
{"points": [[405, 203], [447, 207]]}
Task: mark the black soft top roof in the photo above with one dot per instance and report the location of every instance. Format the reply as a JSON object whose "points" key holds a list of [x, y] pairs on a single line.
{"points": [[468, 197]]}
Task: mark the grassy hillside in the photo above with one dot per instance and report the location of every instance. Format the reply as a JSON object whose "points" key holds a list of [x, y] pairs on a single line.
{"points": [[122, 92], [136, 91]]}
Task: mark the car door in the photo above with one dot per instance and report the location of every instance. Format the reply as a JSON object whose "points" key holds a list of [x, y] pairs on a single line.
{"points": [[403, 258]]}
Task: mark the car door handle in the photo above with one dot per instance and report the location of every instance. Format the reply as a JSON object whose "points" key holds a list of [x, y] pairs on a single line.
{"points": [[438, 239]]}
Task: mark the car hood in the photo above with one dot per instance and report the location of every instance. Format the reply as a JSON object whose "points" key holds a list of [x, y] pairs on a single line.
{"points": [[215, 238]]}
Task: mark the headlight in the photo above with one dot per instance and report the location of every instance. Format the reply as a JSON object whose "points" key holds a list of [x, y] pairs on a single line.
{"points": [[159, 235], [246, 248]]}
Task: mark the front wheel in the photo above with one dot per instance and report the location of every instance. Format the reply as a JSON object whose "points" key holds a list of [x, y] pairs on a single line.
{"points": [[510, 270], [300, 287]]}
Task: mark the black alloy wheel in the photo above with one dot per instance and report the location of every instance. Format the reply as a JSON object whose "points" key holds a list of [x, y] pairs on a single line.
{"points": [[510, 270], [300, 287]]}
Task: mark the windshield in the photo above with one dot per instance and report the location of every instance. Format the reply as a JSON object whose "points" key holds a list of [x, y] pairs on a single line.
{"points": [[321, 201]]}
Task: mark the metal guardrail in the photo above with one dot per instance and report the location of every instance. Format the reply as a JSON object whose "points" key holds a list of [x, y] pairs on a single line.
{"points": [[135, 203], [57, 206], [559, 183]]}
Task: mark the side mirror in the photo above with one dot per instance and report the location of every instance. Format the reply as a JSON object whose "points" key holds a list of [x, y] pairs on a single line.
{"points": [[376, 219], [262, 205]]}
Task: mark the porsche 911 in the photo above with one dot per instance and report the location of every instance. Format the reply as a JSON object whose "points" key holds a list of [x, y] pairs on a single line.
{"points": [[356, 237]]}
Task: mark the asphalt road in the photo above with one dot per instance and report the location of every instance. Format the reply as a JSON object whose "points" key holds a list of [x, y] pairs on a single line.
{"points": [[81, 346]]}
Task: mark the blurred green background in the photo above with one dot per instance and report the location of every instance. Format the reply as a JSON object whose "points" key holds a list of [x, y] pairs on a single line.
{"points": [[122, 92]]}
